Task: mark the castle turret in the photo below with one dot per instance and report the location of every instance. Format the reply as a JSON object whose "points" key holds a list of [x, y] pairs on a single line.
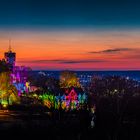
{"points": [[10, 57]]}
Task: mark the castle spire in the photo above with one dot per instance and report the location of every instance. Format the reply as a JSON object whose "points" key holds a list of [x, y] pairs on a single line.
{"points": [[10, 48]]}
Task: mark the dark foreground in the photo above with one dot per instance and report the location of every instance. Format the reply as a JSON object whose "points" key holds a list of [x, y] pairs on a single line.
{"points": [[60, 126], [48, 125]]}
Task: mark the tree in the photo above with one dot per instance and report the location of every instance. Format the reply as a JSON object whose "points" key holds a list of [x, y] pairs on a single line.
{"points": [[13, 95], [69, 79], [7, 90], [52, 85], [115, 97], [3, 66]]}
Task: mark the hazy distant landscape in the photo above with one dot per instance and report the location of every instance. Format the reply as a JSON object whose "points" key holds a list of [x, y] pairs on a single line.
{"points": [[130, 74]]}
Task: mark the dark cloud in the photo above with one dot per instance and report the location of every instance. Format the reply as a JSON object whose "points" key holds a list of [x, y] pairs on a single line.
{"points": [[80, 61], [116, 50], [61, 61]]}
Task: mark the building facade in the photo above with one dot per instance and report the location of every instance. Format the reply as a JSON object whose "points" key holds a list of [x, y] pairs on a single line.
{"points": [[18, 74]]}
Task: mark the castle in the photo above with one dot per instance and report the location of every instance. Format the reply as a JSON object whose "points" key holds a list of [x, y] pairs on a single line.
{"points": [[18, 74]]}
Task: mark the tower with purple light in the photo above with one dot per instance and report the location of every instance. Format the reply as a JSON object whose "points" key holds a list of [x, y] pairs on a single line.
{"points": [[10, 57], [18, 74]]}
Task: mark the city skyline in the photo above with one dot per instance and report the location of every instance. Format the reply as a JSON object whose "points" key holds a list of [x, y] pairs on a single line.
{"points": [[75, 35]]}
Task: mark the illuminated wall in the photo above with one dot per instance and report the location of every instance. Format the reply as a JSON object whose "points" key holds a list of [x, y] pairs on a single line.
{"points": [[19, 79], [67, 101]]}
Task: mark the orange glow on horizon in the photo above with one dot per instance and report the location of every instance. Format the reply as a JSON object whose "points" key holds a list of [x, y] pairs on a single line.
{"points": [[75, 50]]}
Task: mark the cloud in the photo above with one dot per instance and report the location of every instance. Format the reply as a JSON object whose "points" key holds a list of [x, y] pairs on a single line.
{"points": [[61, 61], [81, 61], [116, 50]]}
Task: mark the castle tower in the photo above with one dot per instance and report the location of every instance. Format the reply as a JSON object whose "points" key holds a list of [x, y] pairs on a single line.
{"points": [[10, 57]]}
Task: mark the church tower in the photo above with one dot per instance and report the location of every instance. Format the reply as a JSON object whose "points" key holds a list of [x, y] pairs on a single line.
{"points": [[10, 57]]}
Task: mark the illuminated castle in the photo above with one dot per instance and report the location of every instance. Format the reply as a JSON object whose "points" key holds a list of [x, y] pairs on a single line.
{"points": [[18, 73]]}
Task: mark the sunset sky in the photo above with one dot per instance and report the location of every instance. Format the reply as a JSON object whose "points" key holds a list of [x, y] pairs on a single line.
{"points": [[72, 34]]}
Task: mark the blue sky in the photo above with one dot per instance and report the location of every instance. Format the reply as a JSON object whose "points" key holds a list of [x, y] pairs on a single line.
{"points": [[70, 13]]}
